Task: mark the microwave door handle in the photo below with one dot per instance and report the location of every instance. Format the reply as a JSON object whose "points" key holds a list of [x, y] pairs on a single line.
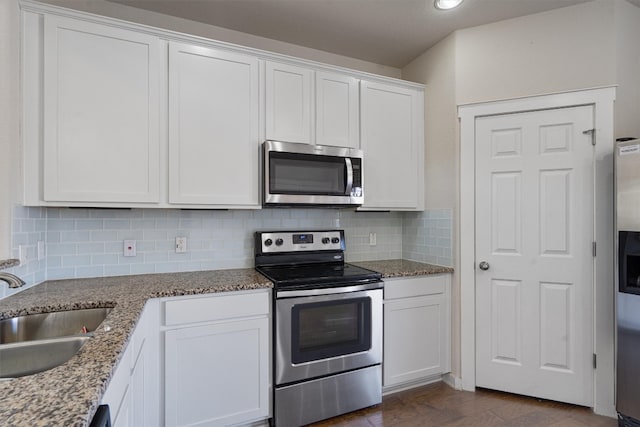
{"points": [[349, 167]]}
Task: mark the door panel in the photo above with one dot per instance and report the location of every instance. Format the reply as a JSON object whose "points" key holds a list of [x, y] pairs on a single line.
{"points": [[534, 227]]}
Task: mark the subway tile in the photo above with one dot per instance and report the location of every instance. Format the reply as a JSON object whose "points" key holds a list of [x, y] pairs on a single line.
{"points": [[61, 225], [117, 224], [117, 270], [61, 249], [89, 224], [76, 260], [104, 236], [75, 236], [90, 271]]}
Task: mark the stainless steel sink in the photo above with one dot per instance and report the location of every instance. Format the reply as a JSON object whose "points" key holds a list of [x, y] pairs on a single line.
{"points": [[37, 342], [30, 357], [50, 325]]}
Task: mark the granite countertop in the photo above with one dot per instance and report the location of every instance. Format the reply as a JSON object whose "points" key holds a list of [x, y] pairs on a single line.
{"points": [[403, 268], [69, 394]]}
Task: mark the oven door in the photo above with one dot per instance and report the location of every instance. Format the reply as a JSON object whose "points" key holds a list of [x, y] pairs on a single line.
{"points": [[326, 334]]}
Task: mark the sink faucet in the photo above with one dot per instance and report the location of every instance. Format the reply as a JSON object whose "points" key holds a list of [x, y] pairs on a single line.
{"points": [[13, 280]]}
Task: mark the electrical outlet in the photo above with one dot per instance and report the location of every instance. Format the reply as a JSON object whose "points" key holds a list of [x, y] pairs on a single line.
{"points": [[372, 239], [129, 248], [181, 245], [41, 253]]}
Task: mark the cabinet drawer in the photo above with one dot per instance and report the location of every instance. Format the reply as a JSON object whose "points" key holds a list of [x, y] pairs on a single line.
{"points": [[215, 307], [414, 286]]}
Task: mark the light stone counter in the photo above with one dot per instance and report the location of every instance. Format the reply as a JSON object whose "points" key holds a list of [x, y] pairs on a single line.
{"points": [[403, 268]]}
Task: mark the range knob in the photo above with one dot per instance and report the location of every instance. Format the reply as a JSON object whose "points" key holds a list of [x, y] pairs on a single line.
{"points": [[325, 240], [268, 242], [279, 242], [335, 240]]}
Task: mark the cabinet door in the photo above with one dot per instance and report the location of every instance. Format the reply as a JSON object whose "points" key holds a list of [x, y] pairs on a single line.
{"points": [[101, 112], [414, 339], [217, 374], [337, 110], [288, 95], [392, 141], [213, 127]]}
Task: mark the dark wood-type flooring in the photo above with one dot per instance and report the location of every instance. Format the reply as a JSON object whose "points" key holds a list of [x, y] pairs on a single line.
{"points": [[440, 405]]}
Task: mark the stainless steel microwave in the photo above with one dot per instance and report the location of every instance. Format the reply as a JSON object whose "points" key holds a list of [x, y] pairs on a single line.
{"points": [[316, 175]]}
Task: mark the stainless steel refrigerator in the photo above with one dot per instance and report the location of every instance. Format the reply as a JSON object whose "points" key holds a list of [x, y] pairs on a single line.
{"points": [[627, 158]]}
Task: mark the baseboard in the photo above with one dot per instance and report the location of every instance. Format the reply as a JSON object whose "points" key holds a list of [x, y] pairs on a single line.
{"points": [[411, 384], [452, 381]]}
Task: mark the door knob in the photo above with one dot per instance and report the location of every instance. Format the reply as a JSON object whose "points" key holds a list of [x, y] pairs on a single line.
{"points": [[484, 265]]}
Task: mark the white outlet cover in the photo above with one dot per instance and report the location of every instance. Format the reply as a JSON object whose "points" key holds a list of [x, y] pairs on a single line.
{"points": [[129, 248]]}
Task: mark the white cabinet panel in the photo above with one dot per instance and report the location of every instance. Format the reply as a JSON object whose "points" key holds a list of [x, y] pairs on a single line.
{"points": [[213, 127], [217, 374], [416, 329], [288, 95], [101, 113], [393, 143], [337, 110]]}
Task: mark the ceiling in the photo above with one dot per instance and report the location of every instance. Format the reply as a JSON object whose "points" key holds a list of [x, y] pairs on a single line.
{"points": [[387, 32]]}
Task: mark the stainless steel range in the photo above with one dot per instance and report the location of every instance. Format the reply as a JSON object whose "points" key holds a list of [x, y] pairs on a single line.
{"points": [[327, 326]]}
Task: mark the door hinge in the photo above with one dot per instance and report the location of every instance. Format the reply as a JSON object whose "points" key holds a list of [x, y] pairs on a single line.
{"points": [[591, 132], [595, 364], [593, 248]]}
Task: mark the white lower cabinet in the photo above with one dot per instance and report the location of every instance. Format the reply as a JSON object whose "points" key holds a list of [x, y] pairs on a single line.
{"points": [[133, 394], [217, 359], [416, 330]]}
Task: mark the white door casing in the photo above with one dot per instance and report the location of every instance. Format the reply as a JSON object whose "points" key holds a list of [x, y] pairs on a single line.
{"points": [[602, 100], [534, 227]]}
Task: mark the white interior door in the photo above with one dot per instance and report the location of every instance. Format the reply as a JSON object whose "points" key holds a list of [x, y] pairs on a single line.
{"points": [[534, 231]]}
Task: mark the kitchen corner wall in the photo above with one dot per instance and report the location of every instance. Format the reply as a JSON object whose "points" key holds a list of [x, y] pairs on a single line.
{"points": [[29, 225], [89, 242], [427, 236]]}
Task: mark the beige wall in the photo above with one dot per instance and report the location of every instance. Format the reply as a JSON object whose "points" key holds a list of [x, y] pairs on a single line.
{"points": [[560, 50], [140, 16], [627, 108], [583, 46], [9, 118]]}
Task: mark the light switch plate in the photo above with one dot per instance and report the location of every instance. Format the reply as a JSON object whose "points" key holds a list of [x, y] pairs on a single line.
{"points": [[181, 245]]}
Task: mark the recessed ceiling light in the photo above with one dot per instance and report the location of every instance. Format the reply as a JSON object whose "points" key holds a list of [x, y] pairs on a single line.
{"points": [[446, 4]]}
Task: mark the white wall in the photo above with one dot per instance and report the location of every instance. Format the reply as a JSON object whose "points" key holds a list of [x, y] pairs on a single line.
{"points": [[114, 10], [9, 118]]}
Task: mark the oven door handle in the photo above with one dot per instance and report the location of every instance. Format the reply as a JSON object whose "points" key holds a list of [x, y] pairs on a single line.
{"points": [[349, 169], [328, 291]]}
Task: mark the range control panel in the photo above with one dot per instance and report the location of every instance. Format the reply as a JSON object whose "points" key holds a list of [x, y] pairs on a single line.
{"points": [[297, 241]]}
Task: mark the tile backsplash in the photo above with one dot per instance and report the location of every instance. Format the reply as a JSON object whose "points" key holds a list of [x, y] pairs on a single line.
{"points": [[89, 242], [427, 236]]}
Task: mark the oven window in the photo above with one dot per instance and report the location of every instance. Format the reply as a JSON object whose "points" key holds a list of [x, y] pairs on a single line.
{"points": [[329, 329], [291, 173]]}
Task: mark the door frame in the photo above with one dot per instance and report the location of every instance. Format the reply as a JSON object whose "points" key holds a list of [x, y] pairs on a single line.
{"points": [[602, 100]]}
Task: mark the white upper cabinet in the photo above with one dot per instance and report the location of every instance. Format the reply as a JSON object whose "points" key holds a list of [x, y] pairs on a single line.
{"points": [[392, 138], [337, 110], [288, 96], [101, 113], [213, 127]]}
